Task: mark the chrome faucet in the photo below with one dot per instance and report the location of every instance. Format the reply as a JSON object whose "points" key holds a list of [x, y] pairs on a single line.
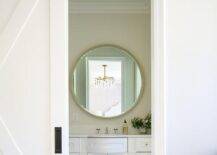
{"points": [[98, 130], [115, 130], [106, 130]]}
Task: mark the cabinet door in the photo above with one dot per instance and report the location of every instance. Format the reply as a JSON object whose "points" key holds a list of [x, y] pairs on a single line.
{"points": [[143, 145], [139, 145]]}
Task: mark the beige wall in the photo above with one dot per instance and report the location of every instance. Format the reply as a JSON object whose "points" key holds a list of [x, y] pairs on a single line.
{"points": [[132, 32]]}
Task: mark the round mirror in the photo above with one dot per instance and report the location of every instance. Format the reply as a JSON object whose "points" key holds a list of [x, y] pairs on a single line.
{"points": [[107, 81]]}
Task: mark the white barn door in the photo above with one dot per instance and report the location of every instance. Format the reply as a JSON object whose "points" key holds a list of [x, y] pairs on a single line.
{"points": [[33, 77]]}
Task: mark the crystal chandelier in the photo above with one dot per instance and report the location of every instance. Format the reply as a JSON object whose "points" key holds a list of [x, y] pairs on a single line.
{"points": [[104, 80]]}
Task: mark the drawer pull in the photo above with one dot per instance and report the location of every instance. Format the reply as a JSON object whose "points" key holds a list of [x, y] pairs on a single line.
{"points": [[140, 151]]}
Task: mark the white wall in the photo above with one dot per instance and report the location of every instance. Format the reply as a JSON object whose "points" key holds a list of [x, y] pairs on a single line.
{"points": [[132, 32], [24, 83], [191, 73]]}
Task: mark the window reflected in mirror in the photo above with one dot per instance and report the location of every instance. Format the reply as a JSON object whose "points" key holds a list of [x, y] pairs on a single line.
{"points": [[105, 87]]}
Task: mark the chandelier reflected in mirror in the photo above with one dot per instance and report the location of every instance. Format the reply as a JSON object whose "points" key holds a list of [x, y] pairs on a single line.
{"points": [[104, 80]]}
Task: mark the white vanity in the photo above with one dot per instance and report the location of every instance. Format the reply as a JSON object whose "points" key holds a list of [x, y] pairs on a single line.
{"points": [[110, 144]]}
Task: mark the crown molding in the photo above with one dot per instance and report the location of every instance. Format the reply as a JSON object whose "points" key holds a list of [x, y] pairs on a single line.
{"points": [[109, 7]]}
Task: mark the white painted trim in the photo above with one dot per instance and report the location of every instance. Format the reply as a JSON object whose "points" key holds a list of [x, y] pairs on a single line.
{"points": [[109, 7], [59, 71], [158, 68]]}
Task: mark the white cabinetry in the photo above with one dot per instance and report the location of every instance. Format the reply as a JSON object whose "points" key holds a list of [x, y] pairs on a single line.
{"points": [[110, 145], [107, 145], [139, 145]]}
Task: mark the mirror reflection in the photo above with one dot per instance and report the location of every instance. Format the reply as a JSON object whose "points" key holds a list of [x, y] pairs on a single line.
{"points": [[106, 81]]}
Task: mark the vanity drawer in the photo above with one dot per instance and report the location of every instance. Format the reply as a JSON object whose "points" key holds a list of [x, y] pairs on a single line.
{"points": [[139, 145], [107, 145]]}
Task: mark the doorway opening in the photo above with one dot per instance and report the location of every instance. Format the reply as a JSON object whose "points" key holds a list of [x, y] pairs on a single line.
{"points": [[110, 74], [81, 10]]}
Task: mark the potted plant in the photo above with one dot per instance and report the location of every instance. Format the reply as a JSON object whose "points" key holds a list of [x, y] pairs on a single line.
{"points": [[138, 123], [148, 123], [143, 125]]}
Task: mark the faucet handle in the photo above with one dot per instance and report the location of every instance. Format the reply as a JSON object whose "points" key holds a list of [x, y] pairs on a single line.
{"points": [[115, 130], [98, 130]]}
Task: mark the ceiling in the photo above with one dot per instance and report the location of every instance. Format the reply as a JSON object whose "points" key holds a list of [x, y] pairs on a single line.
{"points": [[109, 6]]}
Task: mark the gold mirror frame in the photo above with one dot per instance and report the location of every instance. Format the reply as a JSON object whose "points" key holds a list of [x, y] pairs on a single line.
{"points": [[71, 81]]}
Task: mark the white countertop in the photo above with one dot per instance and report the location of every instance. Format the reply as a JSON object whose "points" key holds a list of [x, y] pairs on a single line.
{"points": [[108, 136]]}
